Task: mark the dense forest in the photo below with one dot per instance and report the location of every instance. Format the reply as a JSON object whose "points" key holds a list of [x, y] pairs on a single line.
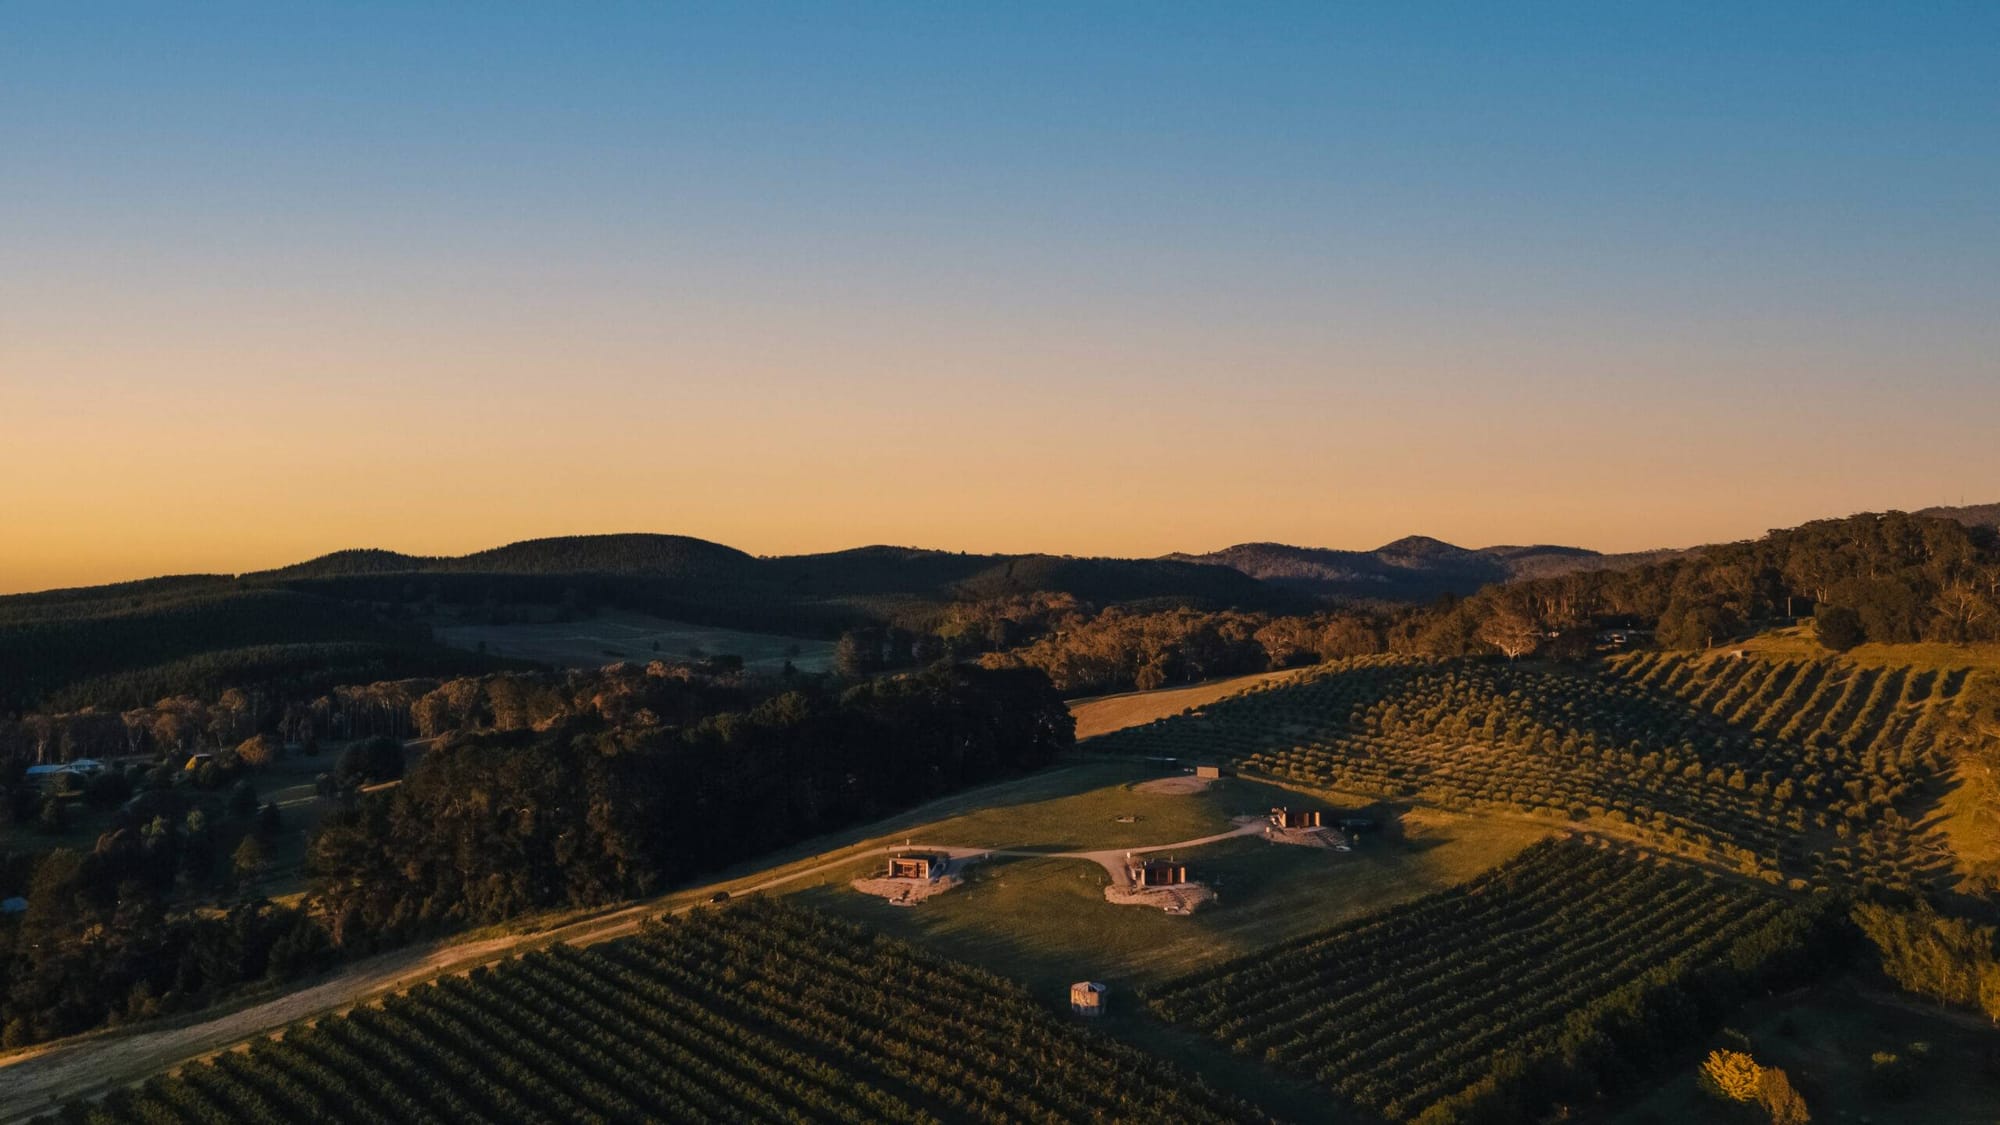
{"points": [[1888, 578], [548, 791]]}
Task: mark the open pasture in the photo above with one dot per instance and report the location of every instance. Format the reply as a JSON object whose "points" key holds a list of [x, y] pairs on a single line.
{"points": [[1103, 714], [608, 637], [1044, 921]]}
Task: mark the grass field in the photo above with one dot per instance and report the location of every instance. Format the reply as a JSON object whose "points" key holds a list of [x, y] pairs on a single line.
{"points": [[599, 640], [1797, 643], [1045, 921], [1105, 713], [1825, 1038]]}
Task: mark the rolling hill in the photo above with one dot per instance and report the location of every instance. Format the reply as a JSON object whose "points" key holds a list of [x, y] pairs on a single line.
{"points": [[1414, 568], [1971, 515]]}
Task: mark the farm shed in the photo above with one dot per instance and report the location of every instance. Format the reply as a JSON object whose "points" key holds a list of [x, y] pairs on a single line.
{"points": [[1086, 998], [916, 865], [1285, 817], [1158, 873], [1211, 772]]}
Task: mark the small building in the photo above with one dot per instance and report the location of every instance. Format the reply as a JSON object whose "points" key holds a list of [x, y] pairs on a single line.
{"points": [[1086, 998], [1210, 772], [916, 865], [1283, 817], [52, 773], [1158, 873]]}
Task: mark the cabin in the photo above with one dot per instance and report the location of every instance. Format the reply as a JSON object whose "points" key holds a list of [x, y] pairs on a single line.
{"points": [[44, 775], [1086, 998], [1283, 817], [916, 865], [51, 774], [1210, 772], [1158, 873]]}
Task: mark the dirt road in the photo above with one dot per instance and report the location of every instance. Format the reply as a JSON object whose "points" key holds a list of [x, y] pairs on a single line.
{"points": [[36, 1080]]}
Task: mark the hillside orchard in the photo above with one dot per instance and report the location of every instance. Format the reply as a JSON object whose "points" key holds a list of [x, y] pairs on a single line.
{"points": [[754, 1012]]}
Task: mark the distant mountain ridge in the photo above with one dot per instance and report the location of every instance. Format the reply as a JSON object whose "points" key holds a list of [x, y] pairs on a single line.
{"points": [[1414, 568], [637, 553], [858, 573]]}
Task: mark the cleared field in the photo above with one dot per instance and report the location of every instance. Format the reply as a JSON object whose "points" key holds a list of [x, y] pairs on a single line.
{"points": [[608, 637], [757, 1012], [1045, 921], [1797, 643], [1106, 713], [1438, 1008], [1968, 817]]}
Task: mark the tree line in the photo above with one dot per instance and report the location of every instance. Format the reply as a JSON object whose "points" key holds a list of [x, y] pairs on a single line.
{"points": [[548, 791]]}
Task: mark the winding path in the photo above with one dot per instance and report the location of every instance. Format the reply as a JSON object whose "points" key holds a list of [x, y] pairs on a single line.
{"points": [[1111, 859]]}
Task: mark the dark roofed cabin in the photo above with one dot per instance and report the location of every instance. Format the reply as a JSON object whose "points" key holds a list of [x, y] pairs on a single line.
{"points": [[916, 865], [1159, 873]]}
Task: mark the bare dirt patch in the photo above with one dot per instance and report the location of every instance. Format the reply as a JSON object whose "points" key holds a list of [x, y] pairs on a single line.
{"points": [[1106, 713], [1307, 838], [1174, 786], [1181, 898]]}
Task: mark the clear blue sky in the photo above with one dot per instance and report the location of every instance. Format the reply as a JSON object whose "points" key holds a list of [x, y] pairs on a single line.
{"points": [[1121, 278]]}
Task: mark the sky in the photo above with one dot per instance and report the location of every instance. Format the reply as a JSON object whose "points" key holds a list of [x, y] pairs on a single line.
{"points": [[1093, 278]]}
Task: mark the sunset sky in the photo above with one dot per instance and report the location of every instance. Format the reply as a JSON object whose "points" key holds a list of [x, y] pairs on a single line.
{"points": [[1085, 278]]}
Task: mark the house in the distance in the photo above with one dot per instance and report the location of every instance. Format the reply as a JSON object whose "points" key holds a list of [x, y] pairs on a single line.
{"points": [[1086, 998], [1284, 817], [1211, 773], [1157, 873], [50, 774], [916, 865]]}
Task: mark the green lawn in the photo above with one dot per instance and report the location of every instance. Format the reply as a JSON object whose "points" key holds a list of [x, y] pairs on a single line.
{"points": [[1091, 820], [1045, 922]]}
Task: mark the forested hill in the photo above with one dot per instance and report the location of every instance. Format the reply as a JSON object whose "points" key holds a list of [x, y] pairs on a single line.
{"points": [[862, 572], [1416, 568], [361, 614], [1971, 515], [665, 556]]}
